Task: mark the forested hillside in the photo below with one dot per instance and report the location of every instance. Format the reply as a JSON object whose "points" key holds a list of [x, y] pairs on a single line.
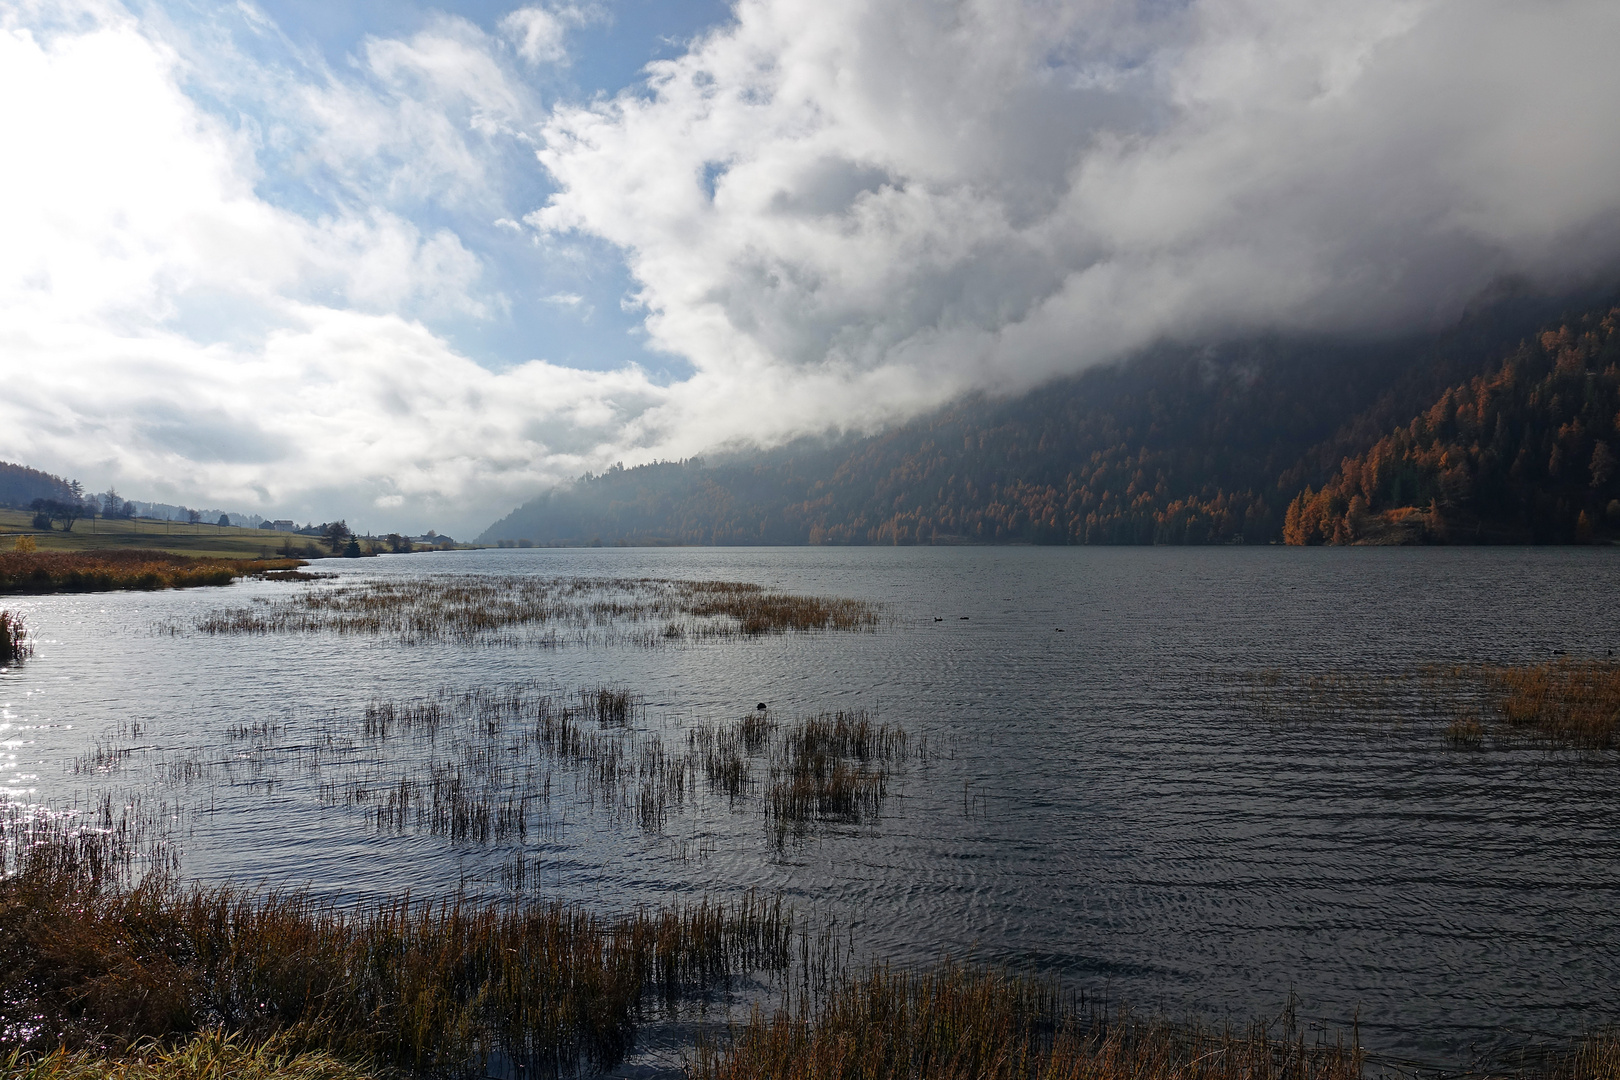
{"points": [[20, 485], [1525, 453], [1244, 442]]}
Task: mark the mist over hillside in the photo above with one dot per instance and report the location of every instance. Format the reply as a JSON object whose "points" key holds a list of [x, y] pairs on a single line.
{"points": [[1181, 444]]}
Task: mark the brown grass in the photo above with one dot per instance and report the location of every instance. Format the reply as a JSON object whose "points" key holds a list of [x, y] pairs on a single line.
{"points": [[1565, 702], [212, 1055], [833, 768], [1572, 702], [961, 1023], [430, 987], [122, 568]]}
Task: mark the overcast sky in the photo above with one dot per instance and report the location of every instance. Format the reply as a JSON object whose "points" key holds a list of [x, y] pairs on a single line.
{"points": [[410, 264]]}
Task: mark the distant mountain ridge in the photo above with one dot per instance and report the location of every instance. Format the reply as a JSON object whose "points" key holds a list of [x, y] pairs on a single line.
{"points": [[1182, 445]]}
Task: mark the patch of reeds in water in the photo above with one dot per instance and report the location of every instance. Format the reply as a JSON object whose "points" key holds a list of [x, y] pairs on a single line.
{"points": [[547, 611], [1572, 702], [833, 767], [87, 959], [961, 1023], [483, 766], [1564, 702], [123, 568], [14, 644]]}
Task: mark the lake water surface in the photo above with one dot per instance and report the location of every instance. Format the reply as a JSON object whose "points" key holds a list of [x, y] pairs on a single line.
{"points": [[1097, 802]]}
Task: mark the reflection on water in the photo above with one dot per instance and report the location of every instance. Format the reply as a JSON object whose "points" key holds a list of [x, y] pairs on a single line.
{"points": [[1095, 802]]}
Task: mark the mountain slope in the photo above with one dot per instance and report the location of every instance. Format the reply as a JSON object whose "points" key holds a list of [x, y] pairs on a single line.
{"points": [[1526, 453], [1183, 445]]}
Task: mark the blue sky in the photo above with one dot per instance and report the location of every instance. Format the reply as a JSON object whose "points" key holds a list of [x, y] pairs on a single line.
{"points": [[411, 264], [568, 310]]}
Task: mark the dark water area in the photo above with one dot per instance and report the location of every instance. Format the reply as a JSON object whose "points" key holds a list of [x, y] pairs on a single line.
{"points": [[1097, 803]]}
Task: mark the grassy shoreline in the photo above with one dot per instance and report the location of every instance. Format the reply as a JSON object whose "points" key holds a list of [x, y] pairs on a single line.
{"points": [[92, 962], [123, 568], [104, 975]]}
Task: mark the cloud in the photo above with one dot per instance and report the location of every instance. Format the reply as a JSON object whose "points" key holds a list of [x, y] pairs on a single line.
{"points": [[234, 274], [539, 33], [933, 196], [168, 329]]}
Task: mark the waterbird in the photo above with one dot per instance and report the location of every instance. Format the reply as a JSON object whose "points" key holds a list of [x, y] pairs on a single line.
{"points": [[964, 616], [1060, 629], [941, 618], [760, 707]]}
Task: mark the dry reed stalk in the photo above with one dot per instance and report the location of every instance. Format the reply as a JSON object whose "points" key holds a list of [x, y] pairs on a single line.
{"points": [[14, 644], [833, 767], [1567, 702]]}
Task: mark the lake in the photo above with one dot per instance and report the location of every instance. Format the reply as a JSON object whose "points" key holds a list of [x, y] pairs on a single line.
{"points": [[1090, 791]]}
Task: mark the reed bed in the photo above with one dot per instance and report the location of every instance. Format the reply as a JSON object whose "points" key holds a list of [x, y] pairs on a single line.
{"points": [[14, 643], [484, 766], [1565, 702], [91, 959], [123, 568], [831, 768], [529, 610], [1572, 702], [955, 1022]]}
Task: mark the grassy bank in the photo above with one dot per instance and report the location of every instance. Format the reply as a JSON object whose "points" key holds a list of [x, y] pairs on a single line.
{"points": [[123, 568], [91, 962], [212, 1055], [961, 1023], [178, 537]]}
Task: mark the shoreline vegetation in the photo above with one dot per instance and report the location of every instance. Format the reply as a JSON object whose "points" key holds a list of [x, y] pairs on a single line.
{"points": [[94, 959], [34, 571], [495, 607], [105, 974]]}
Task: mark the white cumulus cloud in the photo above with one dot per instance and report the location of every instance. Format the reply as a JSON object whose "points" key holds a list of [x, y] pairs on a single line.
{"points": [[933, 196]]}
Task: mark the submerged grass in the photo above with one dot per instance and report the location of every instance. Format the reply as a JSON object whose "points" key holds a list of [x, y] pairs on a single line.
{"points": [[483, 766], [1565, 702], [547, 611], [962, 1023], [1572, 702], [123, 568], [88, 960]]}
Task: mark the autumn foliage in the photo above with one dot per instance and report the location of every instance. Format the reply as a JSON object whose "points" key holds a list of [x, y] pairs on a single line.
{"points": [[1524, 453]]}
